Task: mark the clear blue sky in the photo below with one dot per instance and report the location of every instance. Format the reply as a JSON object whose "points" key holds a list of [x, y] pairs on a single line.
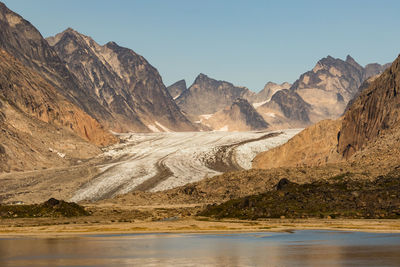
{"points": [[245, 42]]}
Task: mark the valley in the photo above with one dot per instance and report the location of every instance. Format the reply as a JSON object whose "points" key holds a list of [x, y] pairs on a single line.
{"points": [[143, 162]]}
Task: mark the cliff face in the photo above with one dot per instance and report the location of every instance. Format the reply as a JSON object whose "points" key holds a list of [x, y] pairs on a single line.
{"points": [[176, 89], [123, 82], [26, 90], [376, 110], [207, 96]]}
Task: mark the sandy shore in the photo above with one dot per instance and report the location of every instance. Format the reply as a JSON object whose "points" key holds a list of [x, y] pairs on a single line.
{"points": [[38, 228]]}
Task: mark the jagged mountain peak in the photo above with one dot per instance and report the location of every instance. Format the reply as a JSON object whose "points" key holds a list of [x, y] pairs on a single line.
{"points": [[177, 88], [207, 95], [122, 81]]}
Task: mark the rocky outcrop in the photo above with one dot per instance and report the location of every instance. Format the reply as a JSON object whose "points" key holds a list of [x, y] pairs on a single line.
{"points": [[123, 82], [176, 89], [207, 96], [240, 116], [376, 110]]}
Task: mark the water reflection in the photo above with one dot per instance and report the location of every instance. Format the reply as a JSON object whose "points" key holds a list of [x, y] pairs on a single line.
{"points": [[302, 248]]}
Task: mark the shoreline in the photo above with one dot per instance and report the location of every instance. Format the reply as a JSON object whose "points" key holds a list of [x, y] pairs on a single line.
{"points": [[198, 226]]}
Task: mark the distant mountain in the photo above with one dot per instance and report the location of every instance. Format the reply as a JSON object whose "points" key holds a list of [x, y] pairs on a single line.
{"points": [[123, 82], [240, 116], [331, 84], [268, 91], [207, 96], [176, 89], [368, 134], [289, 107]]}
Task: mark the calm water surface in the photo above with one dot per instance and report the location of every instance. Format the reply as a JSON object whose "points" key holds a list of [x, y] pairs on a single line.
{"points": [[301, 248]]}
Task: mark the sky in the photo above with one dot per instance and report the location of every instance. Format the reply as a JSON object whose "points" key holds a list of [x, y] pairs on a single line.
{"points": [[246, 42]]}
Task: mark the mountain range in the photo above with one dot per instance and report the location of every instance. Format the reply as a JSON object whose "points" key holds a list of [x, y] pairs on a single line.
{"points": [[85, 91]]}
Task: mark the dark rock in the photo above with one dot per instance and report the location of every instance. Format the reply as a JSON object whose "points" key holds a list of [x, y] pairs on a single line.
{"points": [[282, 184], [52, 202], [176, 89]]}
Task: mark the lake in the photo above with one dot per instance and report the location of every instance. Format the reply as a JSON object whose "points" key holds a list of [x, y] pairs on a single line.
{"points": [[300, 248]]}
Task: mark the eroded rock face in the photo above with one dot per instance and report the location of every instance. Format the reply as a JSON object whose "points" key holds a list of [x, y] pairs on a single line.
{"points": [[123, 82], [176, 89], [207, 96], [374, 111]]}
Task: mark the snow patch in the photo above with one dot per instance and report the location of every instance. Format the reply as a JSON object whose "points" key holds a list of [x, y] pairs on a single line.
{"points": [[206, 116], [259, 104], [224, 129], [270, 114], [61, 155], [162, 127], [153, 128]]}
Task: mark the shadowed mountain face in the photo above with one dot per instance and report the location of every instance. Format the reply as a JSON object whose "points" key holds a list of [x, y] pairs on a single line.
{"points": [[376, 110], [291, 105], [123, 82], [207, 96], [176, 89]]}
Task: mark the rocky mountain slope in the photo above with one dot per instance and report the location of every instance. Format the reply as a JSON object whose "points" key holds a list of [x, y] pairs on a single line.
{"points": [[240, 116], [27, 91], [376, 110], [267, 92], [314, 146], [331, 84], [39, 127], [286, 109], [23, 41], [367, 127], [176, 89], [123, 82], [207, 96]]}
